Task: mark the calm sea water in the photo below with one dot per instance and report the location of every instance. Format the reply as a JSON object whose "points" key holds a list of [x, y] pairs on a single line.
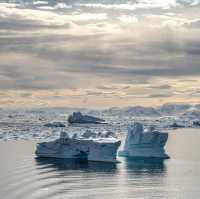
{"points": [[22, 176]]}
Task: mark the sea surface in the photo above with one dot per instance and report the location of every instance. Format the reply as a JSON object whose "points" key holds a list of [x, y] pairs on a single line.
{"points": [[23, 176]]}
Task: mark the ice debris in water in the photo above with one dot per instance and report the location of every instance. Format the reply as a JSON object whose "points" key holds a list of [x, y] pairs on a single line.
{"points": [[54, 124], [30, 124]]}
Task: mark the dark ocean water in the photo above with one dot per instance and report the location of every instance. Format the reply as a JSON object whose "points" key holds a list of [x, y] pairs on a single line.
{"points": [[22, 176]]}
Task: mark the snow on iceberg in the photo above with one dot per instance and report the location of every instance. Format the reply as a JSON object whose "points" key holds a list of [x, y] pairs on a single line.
{"points": [[144, 144]]}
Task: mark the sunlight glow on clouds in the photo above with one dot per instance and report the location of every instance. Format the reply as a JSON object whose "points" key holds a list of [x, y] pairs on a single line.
{"points": [[99, 53], [144, 4]]}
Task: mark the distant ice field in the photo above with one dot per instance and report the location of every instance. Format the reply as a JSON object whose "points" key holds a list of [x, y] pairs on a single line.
{"points": [[32, 124]]}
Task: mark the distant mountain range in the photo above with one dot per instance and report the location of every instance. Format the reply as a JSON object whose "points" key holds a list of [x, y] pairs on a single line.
{"points": [[132, 111], [170, 109], [186, 110]]}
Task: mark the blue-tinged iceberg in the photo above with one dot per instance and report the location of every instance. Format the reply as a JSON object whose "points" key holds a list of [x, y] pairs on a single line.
{"points": [[139, 143], [88, 149]]}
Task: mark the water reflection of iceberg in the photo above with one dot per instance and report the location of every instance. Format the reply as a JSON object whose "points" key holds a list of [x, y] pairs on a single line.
{"points": [[73, 164], [149, 166], [131, 165]]}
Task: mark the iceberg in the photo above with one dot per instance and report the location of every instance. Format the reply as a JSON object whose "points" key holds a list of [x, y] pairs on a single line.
{"points": [[88, 149], [78, 117], [139, 143]]}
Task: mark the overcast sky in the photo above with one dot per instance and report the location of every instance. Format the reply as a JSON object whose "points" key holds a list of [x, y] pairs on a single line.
{"points": [[99, 53]]}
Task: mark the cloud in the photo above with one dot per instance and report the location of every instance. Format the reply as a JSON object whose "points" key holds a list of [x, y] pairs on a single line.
{"points": [[188, 2], [162, 87], [58, 62], [128, 19], [163, 95], [100, 49], [195, 23], [131, 5]]}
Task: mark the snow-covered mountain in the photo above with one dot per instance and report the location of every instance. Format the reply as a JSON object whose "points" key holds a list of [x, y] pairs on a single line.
{"points": [[135, 111], [173, 109], [191, 115], [197, 106], [140, 111]]}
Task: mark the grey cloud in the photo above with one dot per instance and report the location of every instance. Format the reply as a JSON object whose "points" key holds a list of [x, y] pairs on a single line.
{"points": [[33, 77], [187, 3], [106, 87], [95, 93], [188, 80], [64, 60], [163, 95], [193, 48], [22, 24], [162, 87], [26, 94], [195, 23], [165, 86], [70, 73]]}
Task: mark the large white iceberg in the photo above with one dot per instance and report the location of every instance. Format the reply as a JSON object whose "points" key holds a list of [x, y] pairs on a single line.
{"points": [[92, 149], [139, 143]]}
